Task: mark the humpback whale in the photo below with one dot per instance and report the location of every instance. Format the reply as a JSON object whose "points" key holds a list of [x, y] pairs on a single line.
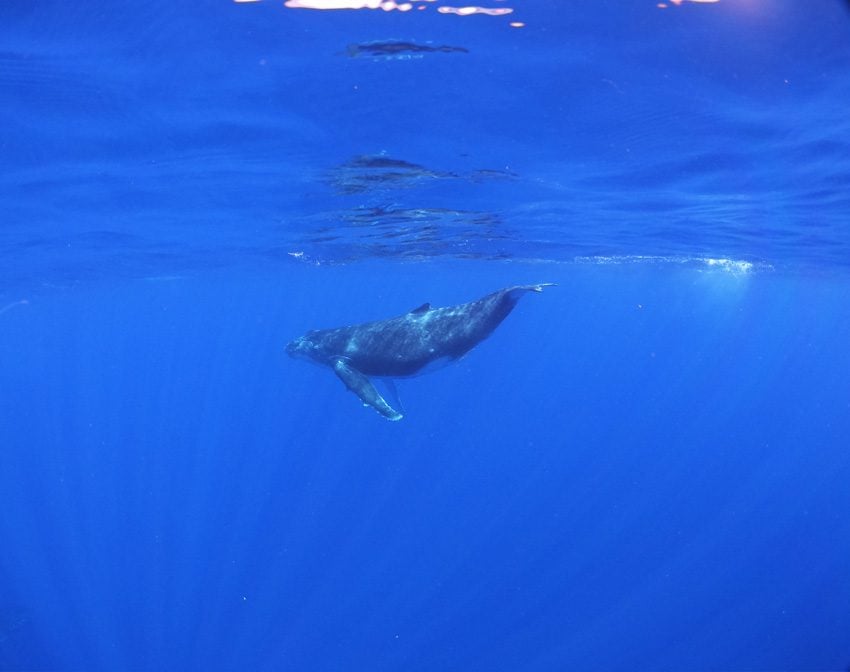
{"points": [[406, 345]]}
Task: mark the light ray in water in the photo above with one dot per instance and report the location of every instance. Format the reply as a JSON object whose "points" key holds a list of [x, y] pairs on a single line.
{"points": [[22, 302]]}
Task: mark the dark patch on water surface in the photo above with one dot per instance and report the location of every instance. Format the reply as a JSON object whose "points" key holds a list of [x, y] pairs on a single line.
{"points": [[396, 231], [419, 218], [368, 172], [400, 49], [381, 161], [389, 223]]}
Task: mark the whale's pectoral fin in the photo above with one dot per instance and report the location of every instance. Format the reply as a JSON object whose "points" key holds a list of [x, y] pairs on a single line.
{"points": [[363, 388], [391, 393]]}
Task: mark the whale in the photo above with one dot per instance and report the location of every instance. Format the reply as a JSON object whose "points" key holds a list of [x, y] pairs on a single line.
{"points": [[404, 346]]}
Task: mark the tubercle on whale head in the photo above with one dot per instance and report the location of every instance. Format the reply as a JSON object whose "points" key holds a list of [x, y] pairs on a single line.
{"points": [[300, 347], [308, 348]]}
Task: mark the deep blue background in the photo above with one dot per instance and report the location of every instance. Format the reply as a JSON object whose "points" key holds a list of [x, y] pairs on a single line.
{"points": [[641, 469], [645, 467]]}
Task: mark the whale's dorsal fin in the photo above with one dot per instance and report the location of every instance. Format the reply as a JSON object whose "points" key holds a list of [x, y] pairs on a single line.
{"points": [[424, 308]]}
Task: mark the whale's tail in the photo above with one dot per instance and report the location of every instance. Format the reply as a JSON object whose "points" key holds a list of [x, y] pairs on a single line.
{"points": [[515, 292]]}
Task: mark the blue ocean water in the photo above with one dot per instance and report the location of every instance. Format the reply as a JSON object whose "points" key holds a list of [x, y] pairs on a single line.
{"points": [[644, 467]]}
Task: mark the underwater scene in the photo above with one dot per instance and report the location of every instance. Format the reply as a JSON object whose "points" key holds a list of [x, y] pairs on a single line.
{"points": [[346, 335]]}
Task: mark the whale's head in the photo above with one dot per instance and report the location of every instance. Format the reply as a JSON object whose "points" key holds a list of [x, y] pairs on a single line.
{"points": [[307, 347]]}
